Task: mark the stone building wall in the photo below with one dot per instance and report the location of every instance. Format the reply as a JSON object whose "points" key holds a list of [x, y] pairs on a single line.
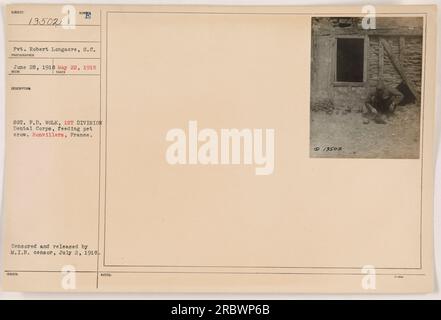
{"points": [[410, 59]]}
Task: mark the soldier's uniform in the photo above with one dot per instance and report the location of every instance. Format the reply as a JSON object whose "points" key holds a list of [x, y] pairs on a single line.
{"points": [[382, 101]]}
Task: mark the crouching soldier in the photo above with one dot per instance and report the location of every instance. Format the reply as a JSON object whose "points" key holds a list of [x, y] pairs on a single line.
{"points": [[382, 102]]}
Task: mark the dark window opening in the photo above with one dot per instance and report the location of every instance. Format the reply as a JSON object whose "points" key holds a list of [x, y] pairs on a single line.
{"points": [[350, 59]]}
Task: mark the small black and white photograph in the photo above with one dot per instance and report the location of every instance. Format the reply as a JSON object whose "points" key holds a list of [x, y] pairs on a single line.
{"points": [[366, 87]]}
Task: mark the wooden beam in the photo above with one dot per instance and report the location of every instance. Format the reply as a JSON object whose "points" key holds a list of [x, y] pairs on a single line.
{"points": [[396, 63], [402, 48], [377, 32], [380, 61], [367, 49], [333, 68], [370, 32]]}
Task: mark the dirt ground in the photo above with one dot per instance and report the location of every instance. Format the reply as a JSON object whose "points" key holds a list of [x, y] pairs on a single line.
{"points": [[351, 133]]}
